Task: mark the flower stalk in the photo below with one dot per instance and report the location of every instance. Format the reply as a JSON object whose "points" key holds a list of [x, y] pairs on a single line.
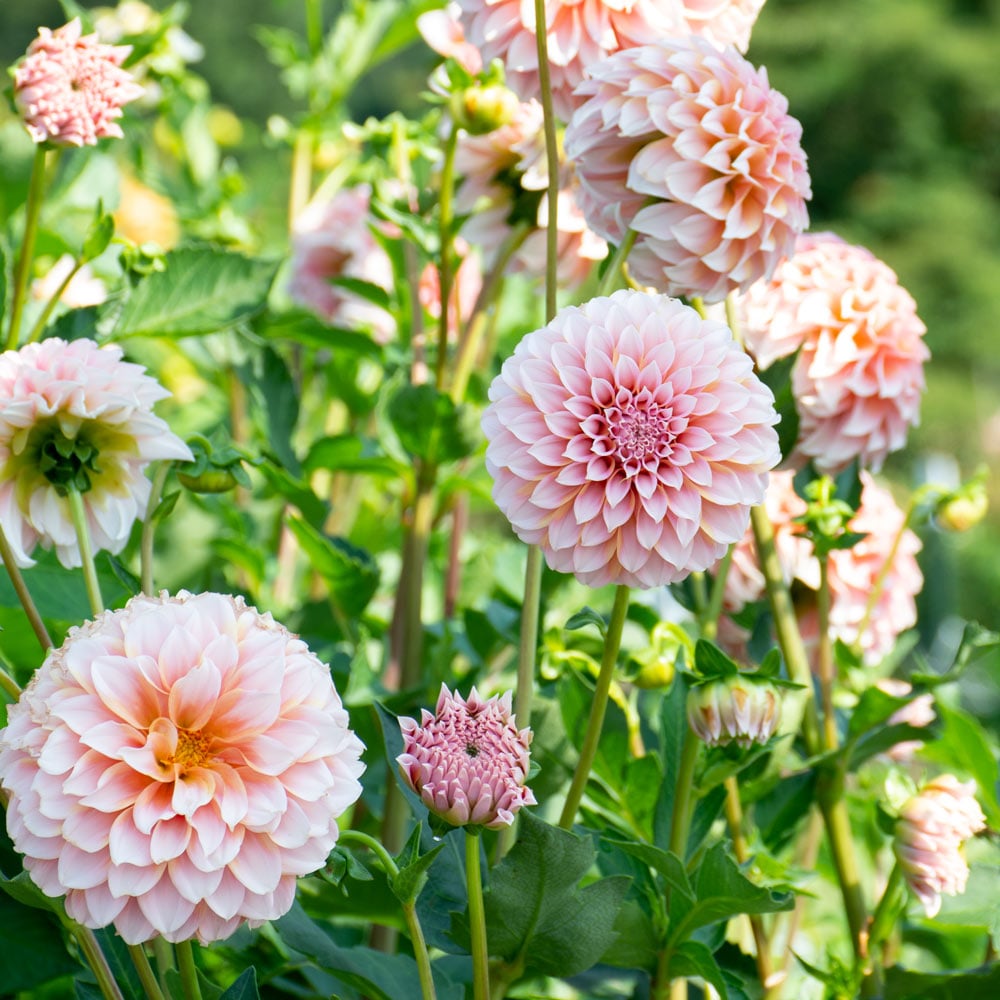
{"points": [[32, 210], [188, 970], [446, 271], [145, 971], [149, 527], [75, 500], [617, 262], [477, 919], [23, 594]]}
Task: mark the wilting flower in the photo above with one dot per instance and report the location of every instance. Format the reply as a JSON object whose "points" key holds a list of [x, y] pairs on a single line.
{"points": [[692, 149], [629, 439], [331, 240], [175, 766], [743, 710], [442, 31], [930, 831], [468, 761], [70, 88], [852, 572], [84, 288], [75, 416], [580, 33], [859, 375]]}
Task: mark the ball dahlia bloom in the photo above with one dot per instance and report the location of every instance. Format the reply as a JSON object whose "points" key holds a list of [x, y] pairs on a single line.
{"points": [[629, 439], [468, 761], [580, 33], [331, 240], [930, 831], [70, 88], [692, 149], [175, 766], [859, 375], [76, 415]]}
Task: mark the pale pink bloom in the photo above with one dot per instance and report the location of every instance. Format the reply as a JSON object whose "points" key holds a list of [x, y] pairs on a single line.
{"points": [[629, 439], [82, 398], [468, 761], [852, 572], [442, 31], [930, 831], [581, 33], [918, 713], [860, 373], [70, 88], [333, 239], [693, 150], [740, 710], [175, 766], [467, 283], [84, 289]]}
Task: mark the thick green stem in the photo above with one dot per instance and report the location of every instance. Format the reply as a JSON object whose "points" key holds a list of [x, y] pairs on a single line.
{"points": [[188, 971], [446, 273], [164, 953], [414, 558], [91, 950], [611, 274], [710, 616], [146, 976], [825, 653], [21, 589], [477, 919], [149, 527], [43, 318], [36, 187], [314, 26], [680, 823], [75, 500], [551, 159], [595, 723]]}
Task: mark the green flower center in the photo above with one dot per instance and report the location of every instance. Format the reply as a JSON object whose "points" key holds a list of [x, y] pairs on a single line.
{"points": [[67, 463]]}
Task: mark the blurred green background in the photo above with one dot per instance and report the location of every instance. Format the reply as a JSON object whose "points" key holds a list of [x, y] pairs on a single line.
{"points": [[900, 105]]}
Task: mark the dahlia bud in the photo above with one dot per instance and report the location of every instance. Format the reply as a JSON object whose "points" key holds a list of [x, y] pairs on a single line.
{"points": [[468, 762], [965, 507], [930, 831], [740, 709], [481, 109]]}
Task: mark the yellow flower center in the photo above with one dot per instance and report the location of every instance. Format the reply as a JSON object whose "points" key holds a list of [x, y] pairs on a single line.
{"points": [[192, 749]]}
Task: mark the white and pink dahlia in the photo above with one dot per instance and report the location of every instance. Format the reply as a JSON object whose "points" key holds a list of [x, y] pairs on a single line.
{"points": [[70, 88], [333, 239], [692, 149], [468, 761], [75, 416], [859, 375], [930, 832], [175, 766], [629, 438], [581, 33]]}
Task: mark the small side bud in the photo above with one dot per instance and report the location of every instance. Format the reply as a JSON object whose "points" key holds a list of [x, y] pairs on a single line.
{"points": [[965, 507], [743, 710], [481, 109]]}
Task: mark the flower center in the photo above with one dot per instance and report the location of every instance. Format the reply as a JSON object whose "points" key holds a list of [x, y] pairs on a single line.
{"points": [[192, 749], [641, 435], [471, 749], [67, 463]]}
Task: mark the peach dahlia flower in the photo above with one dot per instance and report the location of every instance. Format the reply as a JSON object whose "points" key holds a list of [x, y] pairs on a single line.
{"points": [[468, 761], [75, 414], [175, 766], [859, 375], [70, 88], [692, 149], [629, 439]]}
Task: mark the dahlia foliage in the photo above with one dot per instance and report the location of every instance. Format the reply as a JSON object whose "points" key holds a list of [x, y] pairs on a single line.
{"points": [[574, 469]]}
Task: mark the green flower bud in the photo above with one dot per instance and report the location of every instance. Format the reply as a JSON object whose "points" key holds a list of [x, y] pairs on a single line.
{"points": [[742, 710], [963, 508], [481, 109]]}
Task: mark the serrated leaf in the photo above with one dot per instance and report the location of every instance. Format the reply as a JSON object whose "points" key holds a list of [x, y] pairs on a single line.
{"points": [[412, 876], [536, 910], [665, 863], [244, 988], [637, 945], [274, 403], [202, 290], [710, 661], [430, 426], [587, 616]]}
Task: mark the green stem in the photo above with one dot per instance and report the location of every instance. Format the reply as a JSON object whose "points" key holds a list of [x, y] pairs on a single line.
{"points": [[164, 953], [477, 919], [680, 823], [613, 270], [149, 527], [825, 653], [698, 305], [551, 161], [91, 950], [149, 984], [713, 610], [445, 268], [75, 500], [188, 970], [43, 319], [732, 320], [888, 909], [32, 210], [595, 723], [9, 686], [414, 558], [314, 26], [21, 589]]}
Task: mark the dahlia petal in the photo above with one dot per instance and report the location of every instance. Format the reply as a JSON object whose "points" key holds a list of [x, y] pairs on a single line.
{"points": [[258, 864]]}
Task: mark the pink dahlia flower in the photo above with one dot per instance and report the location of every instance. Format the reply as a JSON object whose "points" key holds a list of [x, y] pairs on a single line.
{"points": [[860, 373], [629, 439], [468, 761], [581, 33], [70, 88], [918, 713], [931, 828], [331, 240], [692, 149], [76, 415], [175, 766], [852, 572], [442, 31]]}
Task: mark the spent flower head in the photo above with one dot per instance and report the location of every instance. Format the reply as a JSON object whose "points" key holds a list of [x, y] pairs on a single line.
{"points": [[468, 761]]}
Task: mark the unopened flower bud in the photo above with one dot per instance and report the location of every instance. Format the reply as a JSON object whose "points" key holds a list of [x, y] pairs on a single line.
{"points": [[482, 109], [963, 508], [741, 710], [930, 831]]}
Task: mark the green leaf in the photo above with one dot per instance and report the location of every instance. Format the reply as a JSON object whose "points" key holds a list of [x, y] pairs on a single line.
{"points": [[21, 888], [31, 948], [779, 813], [350, 573], [536, 910], [778, 378], [673, 727], [413, 865], [274, 403], [350, 453], [692, 958], [244, 988], [665, 863], [202, 290], [710, 661], [636, 945], [978, 984], [392, 738], [587, 616], [430, 426], [120, 962], [367, 290], [576, 697], [98, 237]]}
